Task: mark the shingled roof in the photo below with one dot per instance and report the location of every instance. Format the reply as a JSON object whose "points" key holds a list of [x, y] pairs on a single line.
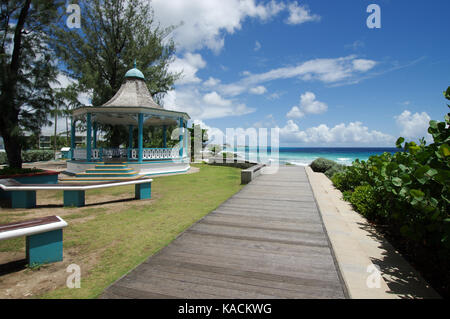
{"points": [[133, 92]]}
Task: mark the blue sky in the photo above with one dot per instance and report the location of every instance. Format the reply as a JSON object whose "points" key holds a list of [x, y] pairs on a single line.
{"points": [[312, 68]]}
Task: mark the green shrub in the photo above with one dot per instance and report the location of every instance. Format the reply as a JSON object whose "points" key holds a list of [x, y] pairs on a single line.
{"points": [[364, 200], [321, 165], [37, 156], [3, 158], [336, 168], [347, 195], [413, 188], [350, 177]]}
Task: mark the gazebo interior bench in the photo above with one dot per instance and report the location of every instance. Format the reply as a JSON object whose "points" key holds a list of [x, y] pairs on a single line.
{"points": [[44, 238], [24, 195]]}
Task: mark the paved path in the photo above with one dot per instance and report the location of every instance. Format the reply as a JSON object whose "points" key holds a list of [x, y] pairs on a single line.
{"points": [[267, 241]]}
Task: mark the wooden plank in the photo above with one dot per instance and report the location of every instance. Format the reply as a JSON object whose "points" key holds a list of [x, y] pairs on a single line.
{"points": [[267, 241]]}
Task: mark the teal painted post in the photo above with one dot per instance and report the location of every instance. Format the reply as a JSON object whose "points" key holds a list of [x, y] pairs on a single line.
{"points": [[143, 191], [165, 136], [141, 137], [130, 140], [23, 199], [72, 140], [186, 132], [181, 137], [95, 136], [74, 198], [88, 138], [44, 248]]}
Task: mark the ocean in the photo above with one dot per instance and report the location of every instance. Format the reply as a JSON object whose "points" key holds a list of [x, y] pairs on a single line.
{"points": [[305, 155]]}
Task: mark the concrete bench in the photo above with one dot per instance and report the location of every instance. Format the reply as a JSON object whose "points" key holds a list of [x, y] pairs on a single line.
{"points": [[24, 195], [44, 238], [247, 175]]}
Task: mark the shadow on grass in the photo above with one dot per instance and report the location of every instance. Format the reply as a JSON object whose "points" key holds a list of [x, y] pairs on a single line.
{"points": [[7, 204], [12, 267]]}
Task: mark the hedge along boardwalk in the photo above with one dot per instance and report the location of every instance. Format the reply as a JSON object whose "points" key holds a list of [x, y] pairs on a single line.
{"points": [[267, 241], [358, 247]]}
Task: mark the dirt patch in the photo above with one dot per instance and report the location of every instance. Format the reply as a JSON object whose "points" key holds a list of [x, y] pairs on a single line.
{"points": [[17, 281]]}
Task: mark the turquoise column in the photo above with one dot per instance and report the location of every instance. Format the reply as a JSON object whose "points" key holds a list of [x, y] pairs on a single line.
{"points": [[165, 136], [44, 248], [130, 140], [181, 137], [72, 140], [95, 135], [143, 191], [89, 138], [186, 132], [140, 137]]}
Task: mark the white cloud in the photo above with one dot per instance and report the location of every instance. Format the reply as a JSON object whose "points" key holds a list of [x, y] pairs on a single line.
{"points": [[215, 99], [363, 64], [204, 106], [267, 122], [188, 65], [295, 113], [324, 70], [205, 22], [415, 125], [299, 14], [308, 105], [353, 133], [258, 90], [215, 135], [211, 82], [356, 45], [257, 46]]}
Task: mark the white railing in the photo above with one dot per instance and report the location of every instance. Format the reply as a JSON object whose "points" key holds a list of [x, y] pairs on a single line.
{"points": [[156, 153], [115, 152], [147, 153], [96, 153]]}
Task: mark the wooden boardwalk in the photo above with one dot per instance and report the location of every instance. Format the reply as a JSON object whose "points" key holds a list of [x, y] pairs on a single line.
{"points": [[267, 241]]}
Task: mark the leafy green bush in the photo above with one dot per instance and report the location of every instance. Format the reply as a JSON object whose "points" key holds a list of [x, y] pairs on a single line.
{"points": [[321, 165], [413, 185], [409, 193], [3, 158], [364, 200], [350, 177], [37, 156], [336, 168]]}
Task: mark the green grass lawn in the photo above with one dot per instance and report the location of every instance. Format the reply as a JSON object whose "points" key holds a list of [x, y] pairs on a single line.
{"points": [[114, 240]]}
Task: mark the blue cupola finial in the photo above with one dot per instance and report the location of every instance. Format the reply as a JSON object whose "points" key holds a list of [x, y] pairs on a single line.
{"points": [[135, 73]]}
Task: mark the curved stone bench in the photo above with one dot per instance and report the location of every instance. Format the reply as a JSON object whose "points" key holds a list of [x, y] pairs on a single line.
{"points": [[24, 195]]}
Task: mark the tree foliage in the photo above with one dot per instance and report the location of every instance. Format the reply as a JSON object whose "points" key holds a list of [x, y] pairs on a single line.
{"points": [[113, 34], [27, 70]]}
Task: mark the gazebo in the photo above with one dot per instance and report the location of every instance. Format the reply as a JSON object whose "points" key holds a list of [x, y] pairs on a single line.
{"points": [[133, 107]]}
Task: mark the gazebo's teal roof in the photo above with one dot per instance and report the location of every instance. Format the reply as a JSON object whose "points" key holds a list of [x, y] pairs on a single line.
{"points": [[135, 73]]}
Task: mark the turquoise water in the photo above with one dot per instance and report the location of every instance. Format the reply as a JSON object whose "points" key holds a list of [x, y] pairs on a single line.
{"points": [[304, 156]]}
